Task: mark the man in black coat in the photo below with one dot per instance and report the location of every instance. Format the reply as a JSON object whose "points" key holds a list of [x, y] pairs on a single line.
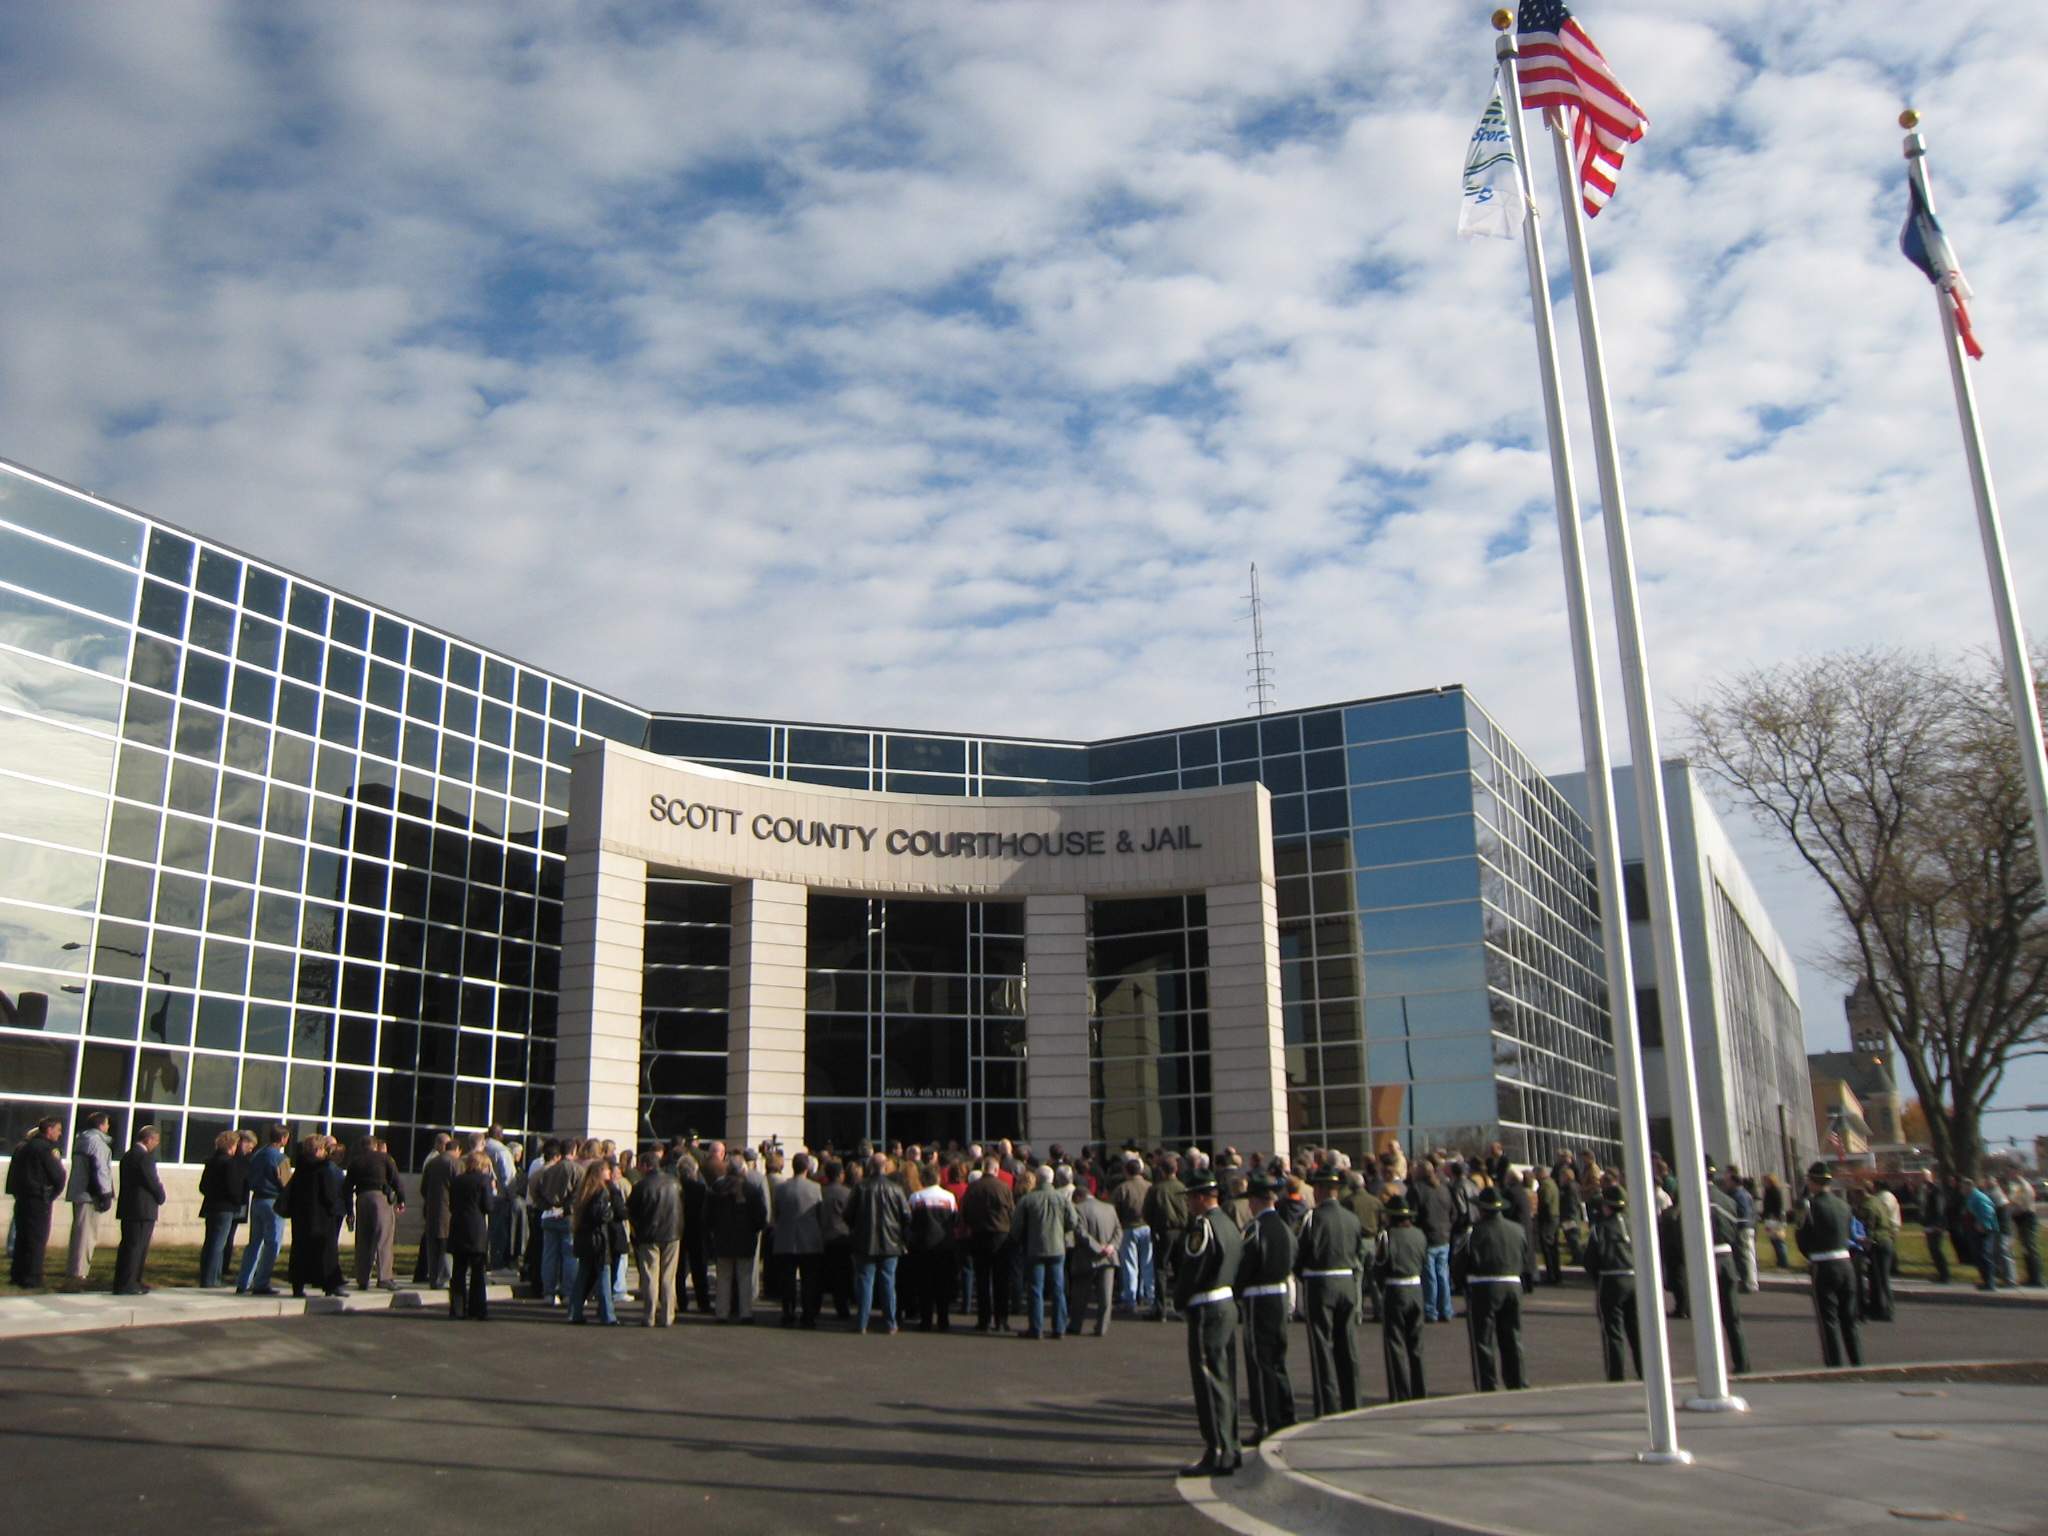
{"points": [[696, 1259], [35, 1178], [471, 1194], [137, 1207], [655, 1210]]}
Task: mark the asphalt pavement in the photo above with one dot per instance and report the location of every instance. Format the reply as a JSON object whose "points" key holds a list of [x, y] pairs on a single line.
{"points": [[364, 1421]]}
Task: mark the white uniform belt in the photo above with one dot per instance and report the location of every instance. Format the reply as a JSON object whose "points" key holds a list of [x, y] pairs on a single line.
{"points": [[1832, 1253], [1208, 1298], [1610, 1274], [1266, 1290], [1327, 1274], [1402, 1280], [1493, 1279], [1722, 1248]]}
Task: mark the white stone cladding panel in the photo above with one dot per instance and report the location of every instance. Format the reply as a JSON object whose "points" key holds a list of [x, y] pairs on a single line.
{"points": [[1246, 1044], [1056, 1020], [597, 1054], [764, 1075]]}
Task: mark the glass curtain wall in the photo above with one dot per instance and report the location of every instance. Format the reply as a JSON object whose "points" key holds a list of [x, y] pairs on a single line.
{"points": [[264, 850], [897, 762], [915, 1025], [1148, 1030], [1440, 966], [686, 987]]}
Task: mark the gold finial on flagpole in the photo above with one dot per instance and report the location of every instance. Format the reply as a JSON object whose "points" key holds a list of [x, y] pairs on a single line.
{"points": [[1909, 119], [1503, 19]]}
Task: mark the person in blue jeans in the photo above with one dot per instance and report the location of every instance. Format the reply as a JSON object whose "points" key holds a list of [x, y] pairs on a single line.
{"points": [[1430, 1199], [874, 1280], [223, 1186], [266, 1188], [879, 1215], [1043, 1227], [551, 1187], [1040, 1277], [1981, 1212], [1436, 1285]]}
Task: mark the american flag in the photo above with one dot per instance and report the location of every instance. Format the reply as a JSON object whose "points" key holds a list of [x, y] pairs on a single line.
{"points": [[1563, 72]]}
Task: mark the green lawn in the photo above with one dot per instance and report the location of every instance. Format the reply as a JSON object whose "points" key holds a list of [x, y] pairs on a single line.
{"points": [[1913, 1261]]}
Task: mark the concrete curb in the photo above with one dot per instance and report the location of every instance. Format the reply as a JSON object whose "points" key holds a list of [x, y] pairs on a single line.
{"points": [[23, 1317], [1960, 1295], [1270, 1498]]}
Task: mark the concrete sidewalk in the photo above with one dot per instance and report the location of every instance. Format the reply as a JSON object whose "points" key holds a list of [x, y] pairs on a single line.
{"points": [[1845, 1455], [25, 1316]]}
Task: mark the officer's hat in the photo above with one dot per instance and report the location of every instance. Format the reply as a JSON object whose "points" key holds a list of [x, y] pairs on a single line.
{"points": [[1395, 1208], [1259, 1184], [1821, 1173], [1202, 1182], [1490, 1200], [1711, 1168], [1329, 1178]]}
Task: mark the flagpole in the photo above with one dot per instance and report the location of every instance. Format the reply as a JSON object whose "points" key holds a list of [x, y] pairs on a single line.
{"points": [[2019, 671], [1709, 1349], [1628, 1057]]}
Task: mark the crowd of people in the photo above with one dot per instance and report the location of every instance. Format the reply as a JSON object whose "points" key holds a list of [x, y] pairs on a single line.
{"points": [[1045, 1247]]}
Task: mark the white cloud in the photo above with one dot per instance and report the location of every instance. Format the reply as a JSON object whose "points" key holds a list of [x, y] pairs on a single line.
{"points": [[946, 365]]}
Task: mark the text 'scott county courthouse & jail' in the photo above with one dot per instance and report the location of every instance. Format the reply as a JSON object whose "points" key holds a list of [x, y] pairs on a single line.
{"points": [[268, 850]]}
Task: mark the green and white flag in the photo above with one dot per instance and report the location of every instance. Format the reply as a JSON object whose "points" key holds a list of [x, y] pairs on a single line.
{"points": [[1493, 203]]}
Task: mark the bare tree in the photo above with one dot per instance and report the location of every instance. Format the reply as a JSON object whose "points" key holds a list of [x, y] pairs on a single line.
{"points": [[1894, 777]]}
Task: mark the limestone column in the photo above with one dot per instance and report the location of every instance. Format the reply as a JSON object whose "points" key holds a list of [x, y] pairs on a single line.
{"points": [[597, 1052], [764, 1073], [1247, 1058], [1056, 1021]]}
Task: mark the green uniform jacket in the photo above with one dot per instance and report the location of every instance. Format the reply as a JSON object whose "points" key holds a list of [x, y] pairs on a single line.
{"points": [[1166, 1206], [1268, 1253], [1331, 1238], [1721, 1219], [1207, 1258], [1608, 1248], [1370, 1210], [1826, 1227], [1497, 1246], [1400, 1254]]}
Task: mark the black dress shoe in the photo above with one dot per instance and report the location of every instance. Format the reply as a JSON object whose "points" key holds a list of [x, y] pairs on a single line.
{"points": [[1228, 1469], [1206, 1467]]}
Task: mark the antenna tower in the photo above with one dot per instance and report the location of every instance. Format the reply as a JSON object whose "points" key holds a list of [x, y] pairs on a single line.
{"points": [[1261, 669]]}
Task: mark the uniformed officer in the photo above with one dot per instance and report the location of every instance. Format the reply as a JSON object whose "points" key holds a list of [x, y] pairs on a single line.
{"points": [[1496, 1251], [1262, 1274], [1610, 1260], [1205, 1265], [1328, 1258], [1398, 1256], [1824, 1239], [1727, 1277]]}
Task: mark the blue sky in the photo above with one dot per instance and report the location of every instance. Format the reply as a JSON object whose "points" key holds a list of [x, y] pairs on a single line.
{"points": [[946, 364]]}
